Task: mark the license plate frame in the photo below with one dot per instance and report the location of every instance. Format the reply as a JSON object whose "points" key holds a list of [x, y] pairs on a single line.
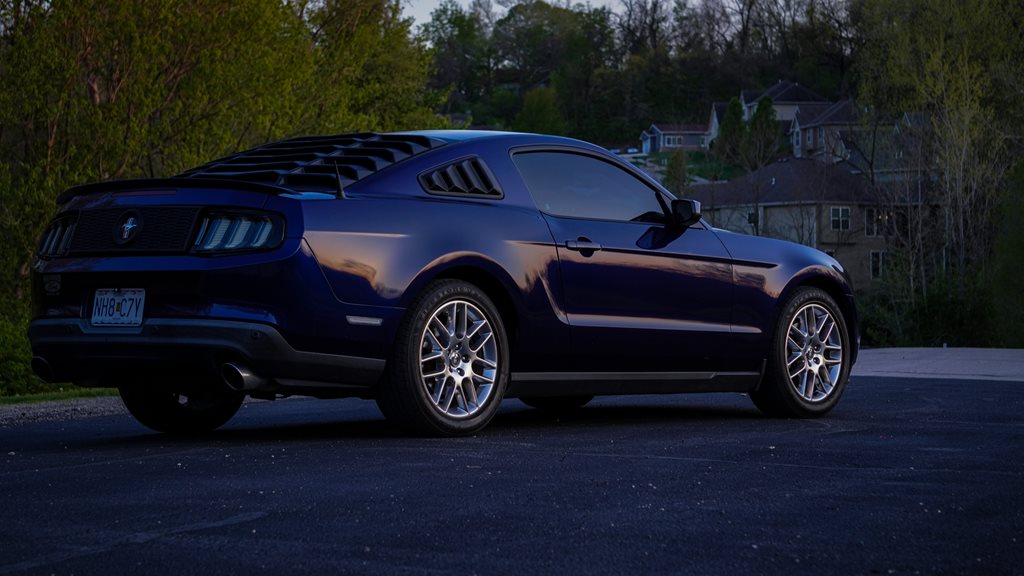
{"points": [[118, 307]]}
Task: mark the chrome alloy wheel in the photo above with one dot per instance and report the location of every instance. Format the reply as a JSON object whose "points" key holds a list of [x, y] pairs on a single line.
{"points": [[458, 359], [814, 347]]}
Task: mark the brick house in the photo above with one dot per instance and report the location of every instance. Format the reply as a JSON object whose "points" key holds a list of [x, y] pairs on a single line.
{"points": [[821, 204]]}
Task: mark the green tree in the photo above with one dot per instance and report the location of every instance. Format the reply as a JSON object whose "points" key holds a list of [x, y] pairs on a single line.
{"points": [[462, 55], [731, 133], [950, 74], [102, 89], [676, 178], [540, 113], [762, 141]]}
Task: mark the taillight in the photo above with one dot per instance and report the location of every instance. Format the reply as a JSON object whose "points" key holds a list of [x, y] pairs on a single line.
{"points": [[57, 238], [226, 231]]}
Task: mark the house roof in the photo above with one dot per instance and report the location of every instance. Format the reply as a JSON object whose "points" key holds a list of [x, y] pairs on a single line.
{"points": [[785, 91], [748, 96], [782, 91], [916, 119], [842, 112], [808, 112], [670, 128], [791, 180], [718, 109]]}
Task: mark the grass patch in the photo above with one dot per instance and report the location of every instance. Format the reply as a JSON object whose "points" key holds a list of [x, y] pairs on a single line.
{"points": [[67, 394], [702, 165]]}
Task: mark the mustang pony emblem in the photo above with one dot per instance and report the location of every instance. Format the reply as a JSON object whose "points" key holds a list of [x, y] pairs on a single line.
{"points": [[128, 226]]}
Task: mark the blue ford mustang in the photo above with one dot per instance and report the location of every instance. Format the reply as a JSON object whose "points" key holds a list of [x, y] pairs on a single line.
{"points": [[436, 272]]}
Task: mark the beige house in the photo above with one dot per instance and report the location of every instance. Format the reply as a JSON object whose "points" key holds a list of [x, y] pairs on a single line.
{"points": [[824, 205]]}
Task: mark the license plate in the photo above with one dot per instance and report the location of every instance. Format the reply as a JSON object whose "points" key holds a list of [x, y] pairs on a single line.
{"points": [[118, 307]]}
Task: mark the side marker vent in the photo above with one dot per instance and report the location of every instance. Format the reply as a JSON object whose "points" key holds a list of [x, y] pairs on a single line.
{"points": [[467, 177]]}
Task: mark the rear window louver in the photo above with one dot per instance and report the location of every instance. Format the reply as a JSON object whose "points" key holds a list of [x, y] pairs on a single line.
{"points": [[317, 163], [467, 177]]}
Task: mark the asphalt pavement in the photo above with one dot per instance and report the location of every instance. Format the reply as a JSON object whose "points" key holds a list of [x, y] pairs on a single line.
{"points": [[906, 476]]}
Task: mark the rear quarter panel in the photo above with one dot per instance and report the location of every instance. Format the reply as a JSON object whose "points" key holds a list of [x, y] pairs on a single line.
{"points": [[384, 243]]}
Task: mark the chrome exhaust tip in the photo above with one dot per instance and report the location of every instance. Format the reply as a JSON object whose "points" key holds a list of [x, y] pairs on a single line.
{"points": [[240, 378]]}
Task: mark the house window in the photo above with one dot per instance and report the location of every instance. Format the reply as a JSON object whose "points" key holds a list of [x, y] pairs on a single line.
{"points": [[840, 217], [877, 263], [821, 136], [871, 222], [796, 138]]}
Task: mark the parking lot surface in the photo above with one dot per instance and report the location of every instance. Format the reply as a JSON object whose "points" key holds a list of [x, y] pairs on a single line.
{"points": [[906, 476]]}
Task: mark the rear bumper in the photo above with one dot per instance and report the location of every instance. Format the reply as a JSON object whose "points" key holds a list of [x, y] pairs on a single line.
{"points": [[76, 351]]}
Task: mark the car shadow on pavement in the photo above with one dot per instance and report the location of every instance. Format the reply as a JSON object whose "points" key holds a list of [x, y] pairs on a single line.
{"points": [[622, 415], [513, 417]]}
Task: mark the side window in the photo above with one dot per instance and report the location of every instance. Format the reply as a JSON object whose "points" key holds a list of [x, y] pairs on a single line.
{"points": [[577, 186]]}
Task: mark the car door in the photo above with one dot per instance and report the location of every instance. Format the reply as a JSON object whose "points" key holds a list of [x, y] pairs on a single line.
{"points": [[640, 295]]}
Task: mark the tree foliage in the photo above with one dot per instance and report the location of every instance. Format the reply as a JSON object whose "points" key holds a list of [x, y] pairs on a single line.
{"points": [[677, 178], [762, 141], [617, 71], [96, 89], [950, 75], [540, 113]]}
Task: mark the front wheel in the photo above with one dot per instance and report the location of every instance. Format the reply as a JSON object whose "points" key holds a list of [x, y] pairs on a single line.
{"points": [[449, 370], [200, 408], [809, 363]]}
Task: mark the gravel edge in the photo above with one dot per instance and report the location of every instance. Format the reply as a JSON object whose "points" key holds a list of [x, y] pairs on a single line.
{"points": [[73, 409]]}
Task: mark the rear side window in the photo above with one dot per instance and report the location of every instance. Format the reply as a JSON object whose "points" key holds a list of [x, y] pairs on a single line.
{"points": [[577, 186]]}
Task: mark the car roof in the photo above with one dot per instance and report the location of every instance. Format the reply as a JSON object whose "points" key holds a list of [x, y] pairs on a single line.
{"points": [[331, 163]]}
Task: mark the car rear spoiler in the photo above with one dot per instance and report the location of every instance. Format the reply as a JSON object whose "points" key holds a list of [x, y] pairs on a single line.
{"points": [[171, 183]]}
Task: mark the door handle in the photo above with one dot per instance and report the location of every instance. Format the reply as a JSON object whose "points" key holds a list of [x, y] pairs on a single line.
{"points": [[582, 244]]}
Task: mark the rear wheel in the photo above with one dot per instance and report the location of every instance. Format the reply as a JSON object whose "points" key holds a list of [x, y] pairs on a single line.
{"points": [[449, 370], [809, 363], [556, 404], [202, 408]]}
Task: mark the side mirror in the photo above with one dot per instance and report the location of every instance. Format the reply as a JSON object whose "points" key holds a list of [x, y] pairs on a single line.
{"points": [[685, 212]]}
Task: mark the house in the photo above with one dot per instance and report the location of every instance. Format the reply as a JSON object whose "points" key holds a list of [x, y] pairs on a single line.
{"points": [[828, 206], [786, 98], [715, 121], [824, 132], [664, 136]]}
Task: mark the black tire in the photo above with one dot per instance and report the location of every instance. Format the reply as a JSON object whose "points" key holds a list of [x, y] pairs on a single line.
{"points": [[805, 397], [556, 404], [404, 397], [161, 407]]}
